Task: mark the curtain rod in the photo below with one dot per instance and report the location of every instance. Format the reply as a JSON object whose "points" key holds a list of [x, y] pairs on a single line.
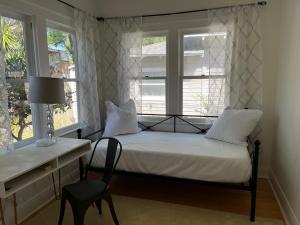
{"points": [[262, 3]]}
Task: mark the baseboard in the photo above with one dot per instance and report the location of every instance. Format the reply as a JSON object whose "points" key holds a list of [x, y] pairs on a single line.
{"points": [[263, 172], [289, 215]]}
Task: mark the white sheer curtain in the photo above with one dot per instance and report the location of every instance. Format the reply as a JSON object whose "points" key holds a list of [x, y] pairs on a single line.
{"points": [[239, 56], [5, 131], [88, 43], [121, 59]]}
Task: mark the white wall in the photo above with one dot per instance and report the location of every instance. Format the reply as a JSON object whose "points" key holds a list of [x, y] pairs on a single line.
{"points": [[270, 39], [286, 155]]}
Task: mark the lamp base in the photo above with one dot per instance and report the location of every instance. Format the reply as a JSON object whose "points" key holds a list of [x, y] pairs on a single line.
{"points": [[45, 142]]}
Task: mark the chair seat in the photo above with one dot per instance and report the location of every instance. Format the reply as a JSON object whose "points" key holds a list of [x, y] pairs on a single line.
{"points": [[85, 190]]}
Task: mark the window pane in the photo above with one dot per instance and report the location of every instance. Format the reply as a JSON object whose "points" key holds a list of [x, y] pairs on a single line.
{"points": [[204, 54], [203, 96], [16, 74], [67, 114], [61, 53], [19, 110], [151, 96], [154, 56]]}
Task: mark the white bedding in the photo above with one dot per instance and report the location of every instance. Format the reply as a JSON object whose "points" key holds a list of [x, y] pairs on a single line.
{"points": [[180, 155]]}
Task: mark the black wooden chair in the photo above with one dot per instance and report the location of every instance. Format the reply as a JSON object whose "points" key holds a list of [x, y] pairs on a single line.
{"points": [[83, 194]]}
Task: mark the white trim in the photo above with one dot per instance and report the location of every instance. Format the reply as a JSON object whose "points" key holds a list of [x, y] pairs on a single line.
{"points": [[47, 9], [67, 130], [25, 142], [288, 212]]}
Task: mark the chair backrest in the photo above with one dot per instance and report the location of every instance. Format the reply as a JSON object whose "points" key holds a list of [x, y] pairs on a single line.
{"points": [[112, 158]]}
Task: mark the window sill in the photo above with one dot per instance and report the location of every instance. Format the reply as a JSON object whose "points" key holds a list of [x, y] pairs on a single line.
{"points": [[67, 130], [23, 143], [58, 133]]}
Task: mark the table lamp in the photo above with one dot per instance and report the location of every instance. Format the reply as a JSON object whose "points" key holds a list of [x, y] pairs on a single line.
{"points": [[46, 90]]}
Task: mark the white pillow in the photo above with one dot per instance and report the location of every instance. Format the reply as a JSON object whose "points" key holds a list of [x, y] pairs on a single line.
{"points": [[120, 120], [234, 125]]}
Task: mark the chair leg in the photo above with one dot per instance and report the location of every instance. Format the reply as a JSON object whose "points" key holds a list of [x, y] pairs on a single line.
{"points": [[98, 204], [62, 210], [78, 215], [107, 197]]}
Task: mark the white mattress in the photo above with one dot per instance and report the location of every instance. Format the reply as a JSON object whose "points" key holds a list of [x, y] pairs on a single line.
{"points": [[180, 155]]}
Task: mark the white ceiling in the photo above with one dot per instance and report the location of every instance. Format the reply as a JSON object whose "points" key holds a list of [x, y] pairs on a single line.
{"points": [[112, 8]]}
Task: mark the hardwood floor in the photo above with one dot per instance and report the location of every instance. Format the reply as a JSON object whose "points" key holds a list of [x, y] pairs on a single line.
{"points": [[197, 195]]}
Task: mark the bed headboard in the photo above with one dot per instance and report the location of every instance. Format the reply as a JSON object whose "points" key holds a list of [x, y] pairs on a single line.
{"points": [[173, 117]]}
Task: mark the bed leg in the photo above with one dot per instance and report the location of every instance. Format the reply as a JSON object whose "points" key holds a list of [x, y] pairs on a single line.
{"points": [[79, 132], [254, 181]]}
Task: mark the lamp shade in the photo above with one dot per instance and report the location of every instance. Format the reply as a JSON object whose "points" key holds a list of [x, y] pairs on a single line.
{"points": [[46, 90]]}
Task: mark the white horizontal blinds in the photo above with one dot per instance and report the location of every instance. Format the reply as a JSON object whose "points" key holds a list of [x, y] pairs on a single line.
{"points": [[88, 52], [152, 86], [5, 132], [121, 60], [204, 74]]}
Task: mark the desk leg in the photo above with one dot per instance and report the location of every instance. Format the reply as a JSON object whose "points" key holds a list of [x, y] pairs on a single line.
{"points": [[81, 170], [59, 183], [2, 213], [15, 209], [54, 187]]}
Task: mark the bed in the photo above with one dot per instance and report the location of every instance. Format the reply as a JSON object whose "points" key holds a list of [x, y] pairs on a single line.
{"points": [[167, 154], [186, 156]]}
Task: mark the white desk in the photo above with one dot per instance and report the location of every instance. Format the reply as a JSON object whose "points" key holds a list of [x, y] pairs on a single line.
{"points": [[20, 168]]}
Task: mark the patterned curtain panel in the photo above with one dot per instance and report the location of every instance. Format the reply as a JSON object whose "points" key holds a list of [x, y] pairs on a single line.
{"points": [[121, 59], [88, 43], [5, 131], [235, 52]]}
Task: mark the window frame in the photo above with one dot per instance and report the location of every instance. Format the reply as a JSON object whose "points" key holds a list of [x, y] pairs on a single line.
{"points": [[182, 77], [160, 33], [28, 36], [70, 128]]}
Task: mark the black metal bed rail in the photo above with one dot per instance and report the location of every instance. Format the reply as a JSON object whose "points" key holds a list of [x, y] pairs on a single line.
{"points": [[174, 117], [254, 154], [79, 134]]}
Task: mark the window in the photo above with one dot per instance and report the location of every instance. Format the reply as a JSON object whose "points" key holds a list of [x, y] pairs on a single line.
{"points": [[203, 85], [16, 72], [62, 64], [154, 73]]}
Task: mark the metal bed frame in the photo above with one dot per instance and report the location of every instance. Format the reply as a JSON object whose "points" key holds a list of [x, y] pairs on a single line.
{"points": [[253, 148]]}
